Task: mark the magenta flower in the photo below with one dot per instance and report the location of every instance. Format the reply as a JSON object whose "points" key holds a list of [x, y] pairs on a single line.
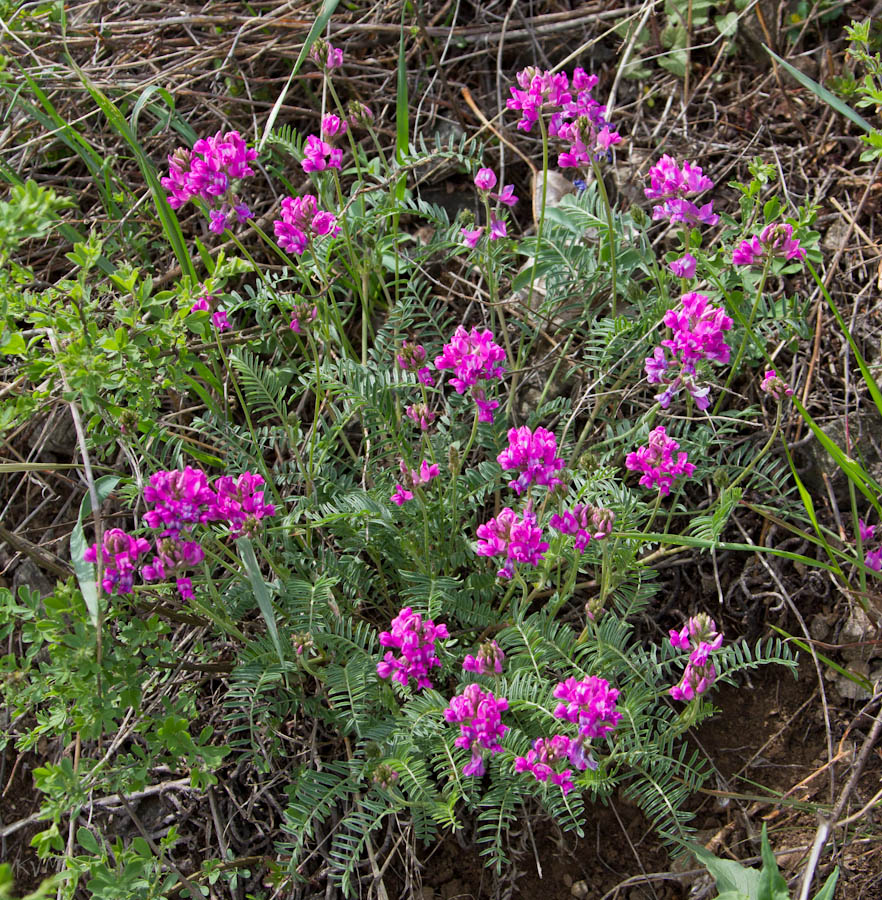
{"points": [[240, 504], [697, 335], [474, 357], [413, 479], [497, 229], [866, 531], [774, 386], [873, 559], [485, 180], [489, 660], [319, 155], [675, 186], [684, 267], [541, 760], [119, 557], [302, 221], [591, 704], [201, 305], [534, 455], [656, 461], [412, 358], [506, 196], [180, 501], [517, 538], [303, 314], [775, 240], [586, 522], [471, 236], [326, 56], [211, 172], [333, 126], [219, 320], [174, 556], [421, 415], [480, 724], [700, 636], [416, 641]]}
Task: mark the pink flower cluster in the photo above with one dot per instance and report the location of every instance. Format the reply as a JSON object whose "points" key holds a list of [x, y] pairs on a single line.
{"points": [[302, 221], [534, 454], [586, 522], [542, 759], [326, 56], [412, 479], [421, 415], [211, 172], [697, 335], [412, 357], [180, 501], [319, 155], [590, 704], [872, 558], [656, 461], [473, 356], [485, 181], [775, 239], [576, 116], [218, 317], [774, 386], [674, 187], [700, 636], [119, 555], [684, 267], [478, 714], [489, 659], [416, 641], [303, 314], [517, 538]]}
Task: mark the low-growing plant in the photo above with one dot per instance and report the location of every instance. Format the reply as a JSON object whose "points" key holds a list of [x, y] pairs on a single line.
{"points": [[390, 526]]}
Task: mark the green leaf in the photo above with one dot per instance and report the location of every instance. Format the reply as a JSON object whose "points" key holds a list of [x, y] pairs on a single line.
{"points": [[727, 25], [261, 594], [85, 572], [772, 885], [87, 841], [826, 892], [731, 877]]}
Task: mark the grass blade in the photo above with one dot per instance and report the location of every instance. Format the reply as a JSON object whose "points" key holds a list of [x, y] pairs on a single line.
{"points": [[822, 93], [261, 594], [84, 571]]}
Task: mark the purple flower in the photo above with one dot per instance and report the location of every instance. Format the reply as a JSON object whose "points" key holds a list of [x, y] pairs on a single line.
{"points": [[775, 240], [181, 499], [674, 186], [485, 180], [473, 356], [497, 229], [517, 538], [211, 172], [219, 320], [412, 358], [119, 557], [656, 461], [333, 126], [480, 724], [684, 267], [319, 155], [421, 415], [174, 557], [412, 479], [301, 222], [586, 522], [240, 504], [416, 641], [866, 531], [489, 659], [873, 559], [303, 314], [700, 636], [591, 704], [326, 56], [774, 386], [201, 305], [540, 761], [471, 236], [534, 454], [506, 196]]}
